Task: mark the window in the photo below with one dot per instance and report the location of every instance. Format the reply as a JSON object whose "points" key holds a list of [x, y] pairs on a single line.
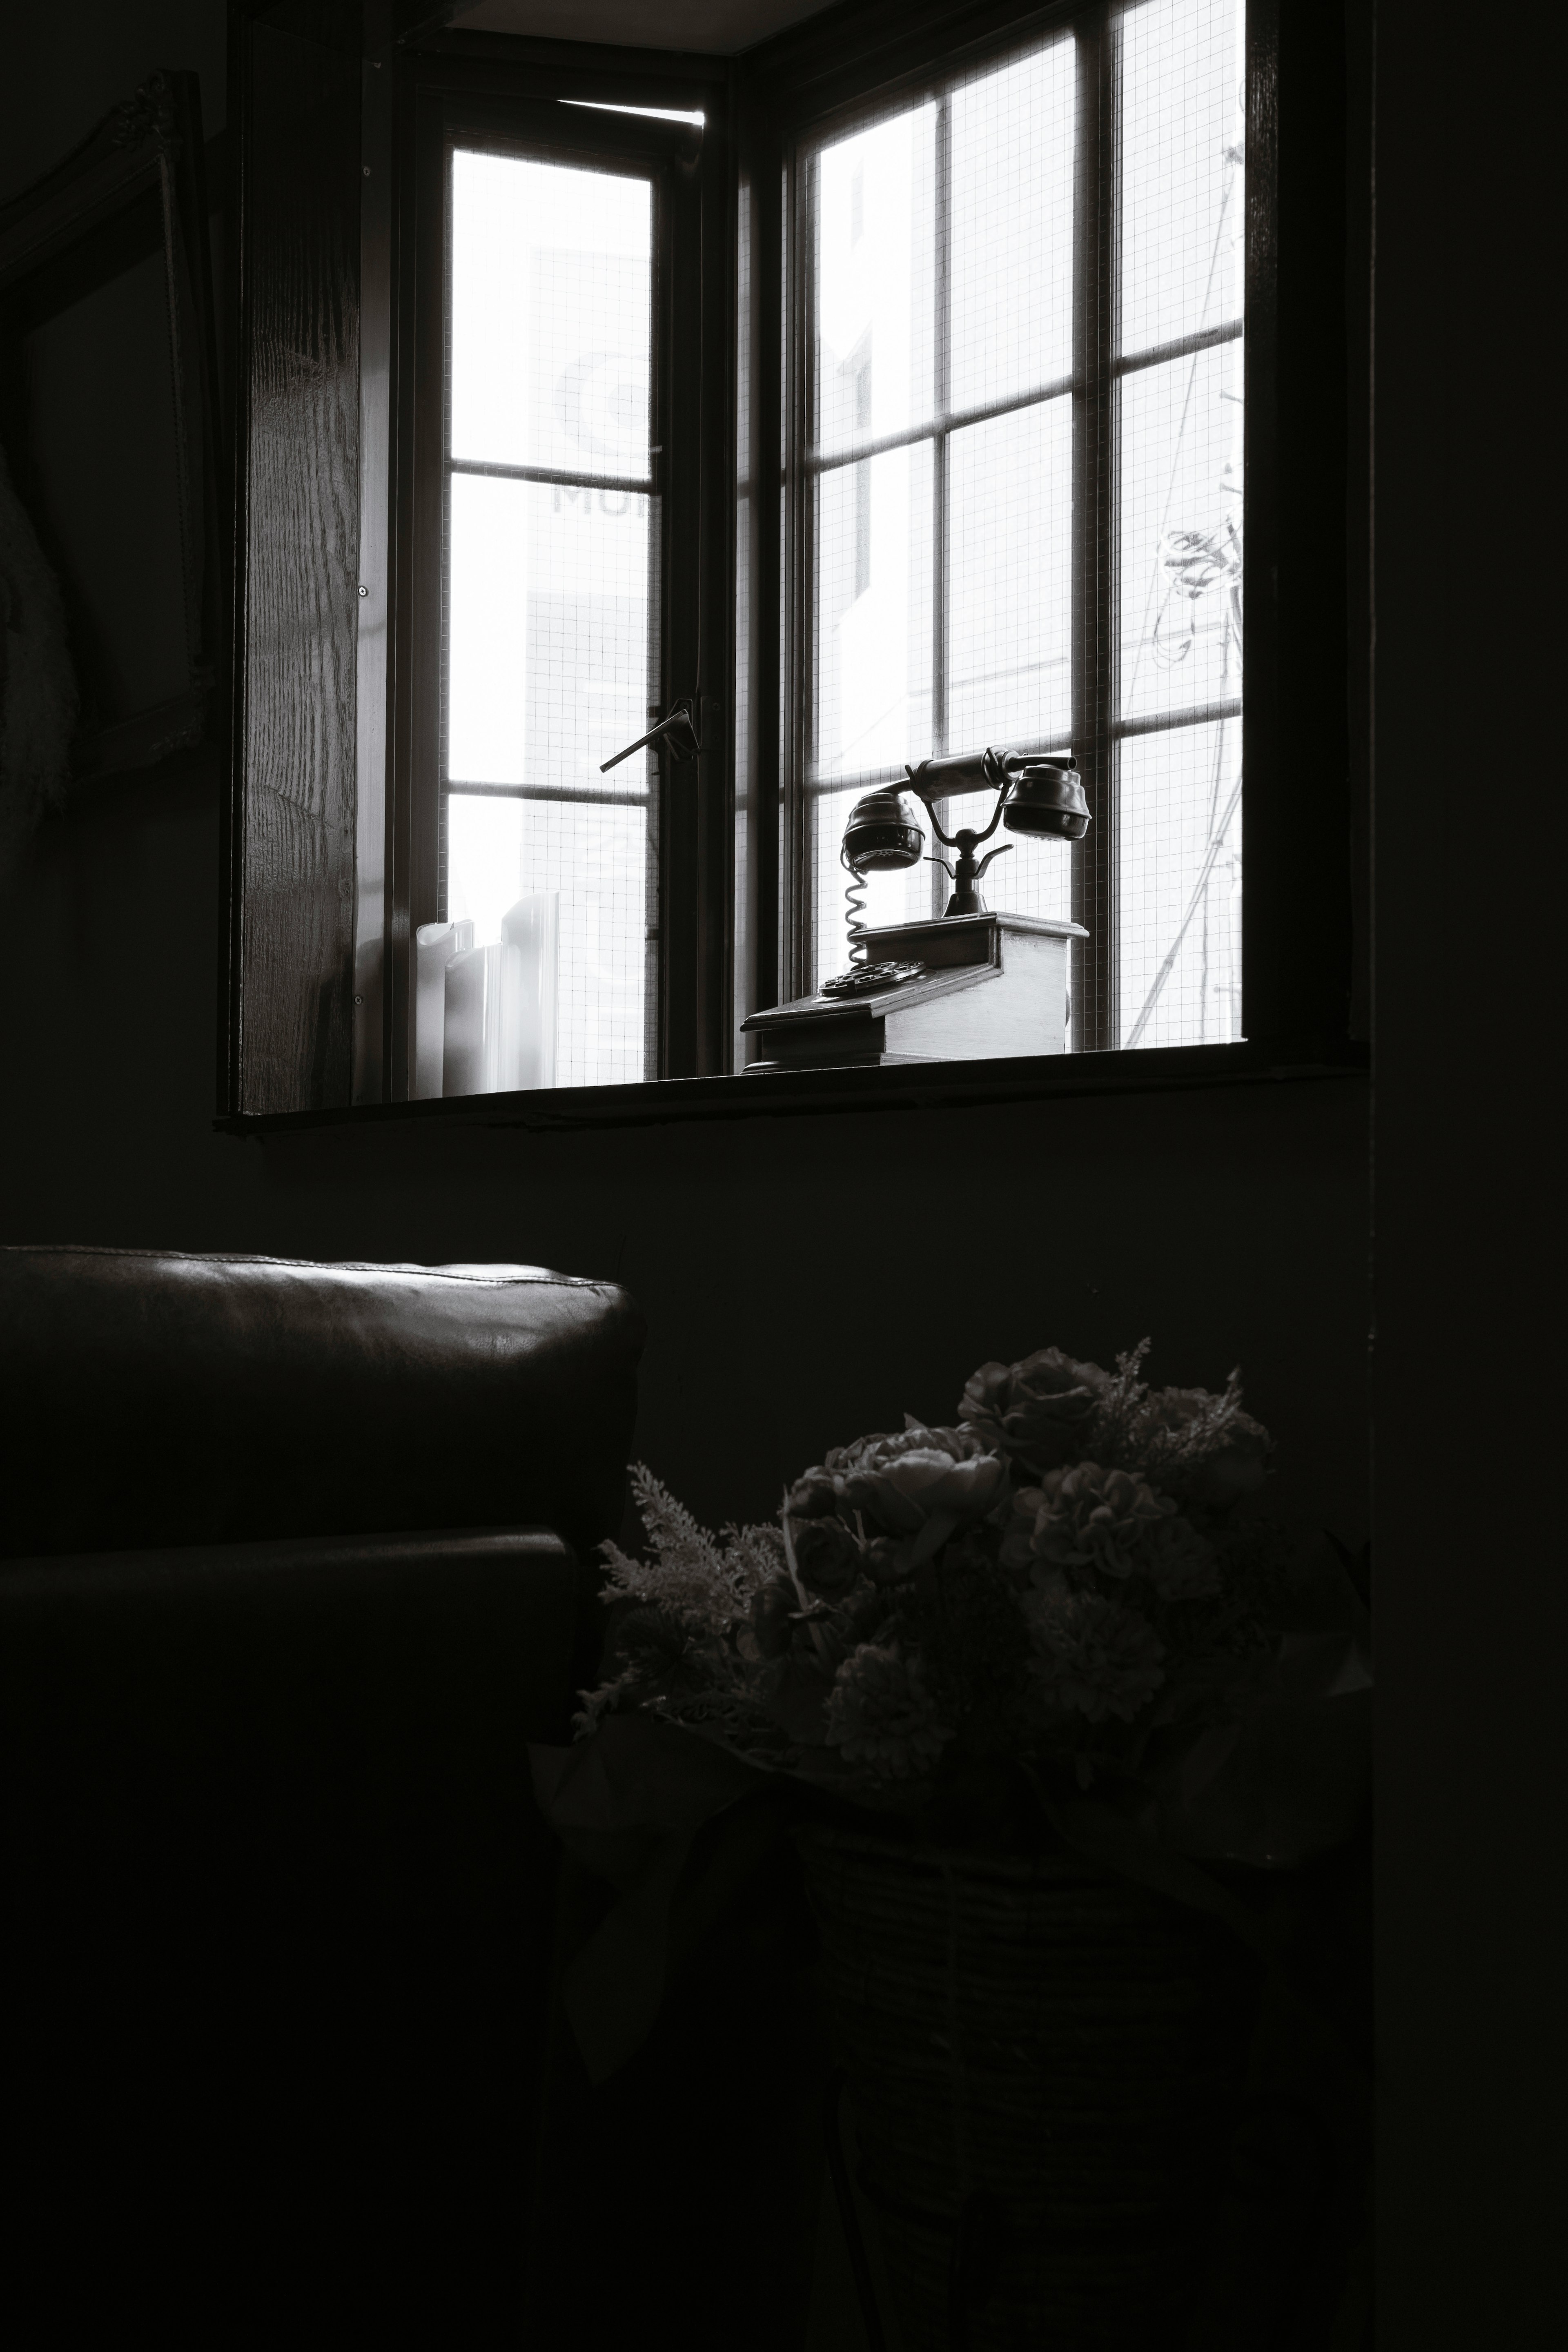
{"points": [[548, 870], [553, 600], [1015, 460], [484, 473], [880, 396]]}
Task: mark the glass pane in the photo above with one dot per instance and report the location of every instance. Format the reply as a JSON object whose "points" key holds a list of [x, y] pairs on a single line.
{"points": [[502, 850], [1009, 648], [1034, 879], [487, 622], [926, 641], [552, 309], [875, 271], [873, 649], [550, 660], [1181, 584], [551, 669], [1181, 886], [1184, 80], [1010, 306]]}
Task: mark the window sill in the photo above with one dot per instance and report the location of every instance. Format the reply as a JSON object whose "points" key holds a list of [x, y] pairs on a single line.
{"points": [[936, 1085]]}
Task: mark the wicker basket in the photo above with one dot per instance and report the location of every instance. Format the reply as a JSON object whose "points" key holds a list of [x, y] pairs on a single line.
{"points": [[1042, 2061]]}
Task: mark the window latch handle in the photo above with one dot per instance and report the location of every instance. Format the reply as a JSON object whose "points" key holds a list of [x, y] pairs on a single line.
{"points": [[678, 731]]}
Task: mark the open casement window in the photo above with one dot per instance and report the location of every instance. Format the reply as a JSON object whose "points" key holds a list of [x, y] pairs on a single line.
{"points": [[485, 548], [1014, 477], [911, 387]]}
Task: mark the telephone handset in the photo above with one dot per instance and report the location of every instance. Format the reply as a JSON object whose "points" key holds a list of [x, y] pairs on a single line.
{"points": [[1041, 798]]}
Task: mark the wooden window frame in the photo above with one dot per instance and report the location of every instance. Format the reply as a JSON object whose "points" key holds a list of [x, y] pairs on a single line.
{"points": [[1296, 951], [1096, 729], [447, 101], [329, 859], [726, 867]]}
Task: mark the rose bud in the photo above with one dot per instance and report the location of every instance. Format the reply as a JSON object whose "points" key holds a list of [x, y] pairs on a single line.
{"points": [[826, 1556]]}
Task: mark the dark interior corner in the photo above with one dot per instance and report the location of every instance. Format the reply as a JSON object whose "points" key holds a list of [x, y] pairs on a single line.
{"points": [[1377, 1248]]}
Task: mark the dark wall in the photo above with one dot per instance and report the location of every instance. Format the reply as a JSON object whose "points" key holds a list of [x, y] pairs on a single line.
{"points": [[803, 1281], [63, 66], [796, 1281], [1469, 1531]]}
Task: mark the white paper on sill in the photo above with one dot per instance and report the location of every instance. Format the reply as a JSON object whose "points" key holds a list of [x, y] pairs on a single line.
{"points": [[530, 932], [471, 1029], [500, 1004], [434, 945]]}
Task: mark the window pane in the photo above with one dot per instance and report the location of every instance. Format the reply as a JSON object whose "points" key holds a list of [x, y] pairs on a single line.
{"points": [[501, 849], [1184, 74], [1010, 599], [1034, 879], [873, 637], [1179, 578], [552, 306], [1013, 161], [550, 654], [1181, 886], [487, 622], [550, 670], [942, 576], [550, 635], [1180, 584], [874, 256]]}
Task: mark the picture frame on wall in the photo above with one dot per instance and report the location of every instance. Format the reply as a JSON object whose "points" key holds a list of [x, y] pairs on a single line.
{"points": [[110, 420]]}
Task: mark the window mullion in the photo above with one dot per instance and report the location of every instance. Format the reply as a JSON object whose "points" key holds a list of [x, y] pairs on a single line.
{"points": [[941, 244], [942, 401], [801, 494], [1095, 1014]]}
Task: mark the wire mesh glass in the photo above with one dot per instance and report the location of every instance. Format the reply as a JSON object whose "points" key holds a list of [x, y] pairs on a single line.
{"points": [[875, 280], [550, 611], [551, 313], [1181, 107], [1180, 591], [874, 615], [1180, 932], [1010, 292], [1009, 622], [960, 554], [942, 257], [1179, 583]]}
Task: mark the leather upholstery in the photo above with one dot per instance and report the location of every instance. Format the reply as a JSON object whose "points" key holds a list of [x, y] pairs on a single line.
{"points": [[151, 1397], [276, 1937], [283, 1598]]}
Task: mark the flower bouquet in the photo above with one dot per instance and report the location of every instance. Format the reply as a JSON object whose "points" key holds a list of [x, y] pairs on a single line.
{"points": [[1031, 1677], [1057, 1595]]}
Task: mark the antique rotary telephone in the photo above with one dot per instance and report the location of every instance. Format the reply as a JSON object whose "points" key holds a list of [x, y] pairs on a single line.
{"points": [[1041, 798]]}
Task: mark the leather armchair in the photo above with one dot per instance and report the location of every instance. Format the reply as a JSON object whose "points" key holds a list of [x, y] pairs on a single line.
{"points": [[293, 1565]]}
